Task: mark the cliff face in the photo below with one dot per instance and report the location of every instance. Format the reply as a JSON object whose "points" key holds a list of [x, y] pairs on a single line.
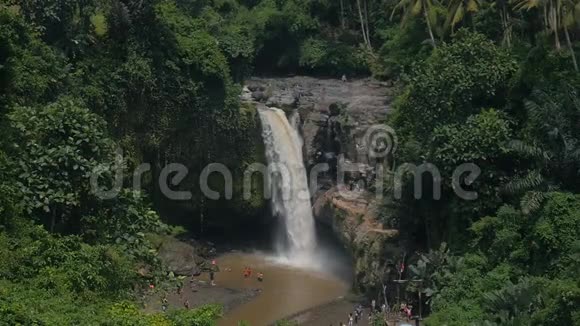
{"points": [[354, 221], [335, 117], [351, 107], [201, 212]]}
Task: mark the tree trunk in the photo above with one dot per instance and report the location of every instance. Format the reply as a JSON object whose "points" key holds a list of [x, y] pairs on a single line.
{"points": [[362, 23], [342, 23], [569, 42], [201, 213], [508, 28], [555, 25], [429, 27], [367, 24], [53, 220]]}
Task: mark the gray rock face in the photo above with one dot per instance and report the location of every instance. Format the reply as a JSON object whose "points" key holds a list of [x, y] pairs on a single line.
{"points": [[179, 257], [335, 114]]}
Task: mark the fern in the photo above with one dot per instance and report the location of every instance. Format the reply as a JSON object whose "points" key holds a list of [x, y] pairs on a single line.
{"points": [[527, 150], [532, 201], [532, 180], [511, 304]]}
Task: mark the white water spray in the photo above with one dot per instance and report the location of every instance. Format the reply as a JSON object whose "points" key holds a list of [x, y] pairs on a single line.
{"points": [[289, 187]]}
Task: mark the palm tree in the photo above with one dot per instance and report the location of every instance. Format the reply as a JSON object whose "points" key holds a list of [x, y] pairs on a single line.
{"points": [[557, 15], [413, 8], [556, 158], [458, 9], [550, 14], [570, 13], [504, 13], [510, 305], [364, 19]]}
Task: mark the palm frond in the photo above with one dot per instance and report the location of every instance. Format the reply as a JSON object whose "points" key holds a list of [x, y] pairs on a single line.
{"points": [[532, 201], [520, 184], [527, 150]]}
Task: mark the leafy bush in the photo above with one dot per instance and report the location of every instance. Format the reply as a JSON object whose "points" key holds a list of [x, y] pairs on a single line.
{"points": [[318, 55], [58, 148], [457, 81], [401, 50]]}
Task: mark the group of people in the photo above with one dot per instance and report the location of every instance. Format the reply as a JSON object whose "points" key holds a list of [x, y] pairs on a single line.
{"points": [[248, 273], [354, 317], [213, 269], [375, 310]]}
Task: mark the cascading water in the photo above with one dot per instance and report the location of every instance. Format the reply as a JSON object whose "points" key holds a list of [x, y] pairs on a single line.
{"points": [[289, 187]]}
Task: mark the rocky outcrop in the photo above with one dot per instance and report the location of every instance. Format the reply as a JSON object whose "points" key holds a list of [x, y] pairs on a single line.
{"points": [[335, 115], [179, 257], [353, 216], [184, 256]]}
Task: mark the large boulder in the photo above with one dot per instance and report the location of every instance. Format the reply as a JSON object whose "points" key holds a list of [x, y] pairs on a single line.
{"points": [[283, 101], [179, 257]]}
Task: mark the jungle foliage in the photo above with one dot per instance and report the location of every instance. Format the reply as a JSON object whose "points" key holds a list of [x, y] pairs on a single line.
{"points": [[504, 98], [494, 83]]}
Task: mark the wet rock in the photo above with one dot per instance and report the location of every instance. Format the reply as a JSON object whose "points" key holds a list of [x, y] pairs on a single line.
{"points": [[335, 109], [260, 96], [281, 102]]}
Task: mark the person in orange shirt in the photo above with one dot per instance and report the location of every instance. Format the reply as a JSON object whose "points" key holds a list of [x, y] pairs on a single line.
{"points": [[247, 272]]}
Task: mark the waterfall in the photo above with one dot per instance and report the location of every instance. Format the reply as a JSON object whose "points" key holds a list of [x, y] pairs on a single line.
{"points": [[289, 187]]}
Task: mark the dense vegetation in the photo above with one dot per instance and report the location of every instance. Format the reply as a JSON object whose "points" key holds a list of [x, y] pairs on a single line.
{"points": [[504, 97], [493, 83]]}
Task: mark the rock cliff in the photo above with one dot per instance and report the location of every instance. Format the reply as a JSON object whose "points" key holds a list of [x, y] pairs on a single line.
{"points": [[335, 117]]}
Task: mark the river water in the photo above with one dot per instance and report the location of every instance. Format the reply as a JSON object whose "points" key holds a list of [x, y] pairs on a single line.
{"points": [[285, 290]]}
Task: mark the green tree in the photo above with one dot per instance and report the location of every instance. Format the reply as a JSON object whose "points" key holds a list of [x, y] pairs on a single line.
{"points": [[57, 148], [455, 82]]}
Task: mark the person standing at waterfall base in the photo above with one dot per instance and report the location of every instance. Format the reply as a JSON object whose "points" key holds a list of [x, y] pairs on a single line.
{"points": [[164, 303], [213, 269]]}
